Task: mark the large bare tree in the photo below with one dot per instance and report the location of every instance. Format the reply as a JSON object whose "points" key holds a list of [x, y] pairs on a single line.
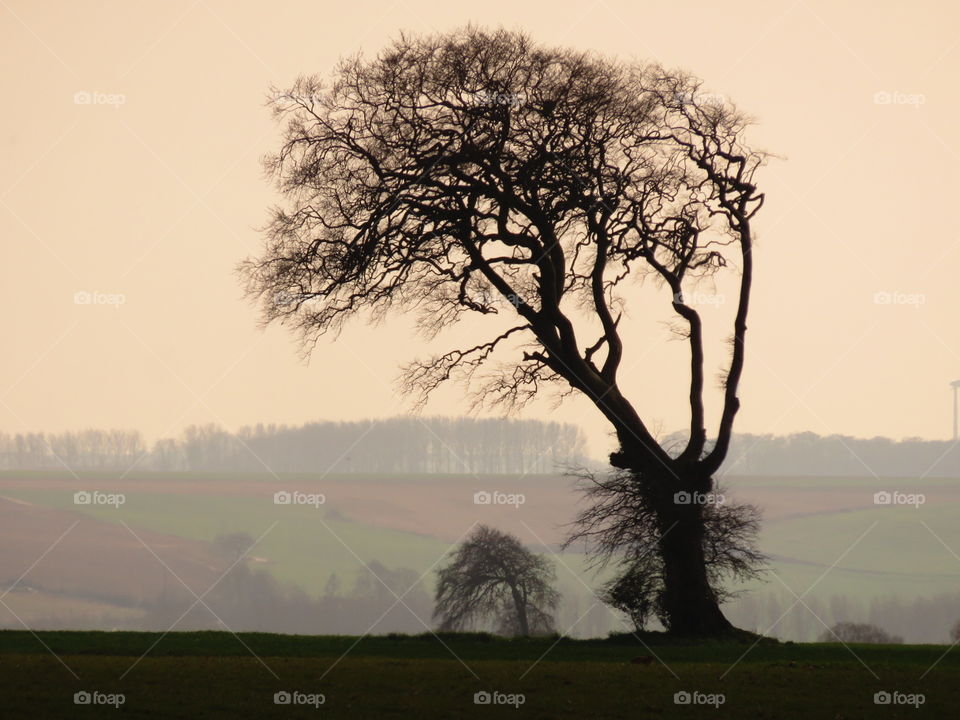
{"points": [[621, 526], [478, 173]]}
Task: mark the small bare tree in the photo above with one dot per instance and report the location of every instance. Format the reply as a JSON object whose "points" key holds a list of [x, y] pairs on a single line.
{"points": [[493, 576], [478, 174]]}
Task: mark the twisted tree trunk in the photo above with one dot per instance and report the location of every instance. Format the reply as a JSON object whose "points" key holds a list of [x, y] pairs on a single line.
{"points": [[677, 490], [689, 602]]}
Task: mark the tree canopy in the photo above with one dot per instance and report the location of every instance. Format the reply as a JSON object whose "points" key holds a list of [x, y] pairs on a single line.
{"points": [[492, 577], [479, 173]]}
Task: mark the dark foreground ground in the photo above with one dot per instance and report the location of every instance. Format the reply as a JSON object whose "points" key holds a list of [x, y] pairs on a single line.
{"points": [[219, 675]]}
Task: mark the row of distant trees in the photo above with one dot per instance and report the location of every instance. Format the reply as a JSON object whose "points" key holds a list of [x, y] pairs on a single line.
{"points": [[921, 619], [427, 445], [811, 454], [82, 450], [401, 445]]}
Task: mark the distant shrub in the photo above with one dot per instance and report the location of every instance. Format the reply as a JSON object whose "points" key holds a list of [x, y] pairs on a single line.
{"points": [[849, 632]]}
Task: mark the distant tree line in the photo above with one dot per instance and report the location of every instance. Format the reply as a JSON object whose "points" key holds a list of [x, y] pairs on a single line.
{"points": [[398, 445], [840, 455], [911, 619], [83, 450], [454, 445]]}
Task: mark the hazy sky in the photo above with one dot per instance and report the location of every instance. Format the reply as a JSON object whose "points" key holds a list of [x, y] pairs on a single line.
{"points": [[153, 191]]}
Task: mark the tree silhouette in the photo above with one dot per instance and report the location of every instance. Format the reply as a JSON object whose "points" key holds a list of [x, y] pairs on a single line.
{"points": [[492, 576], [620, 525], [478, 174]]}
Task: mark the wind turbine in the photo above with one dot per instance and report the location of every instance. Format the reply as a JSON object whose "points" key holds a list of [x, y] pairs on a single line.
{"points": [[956, 388]]}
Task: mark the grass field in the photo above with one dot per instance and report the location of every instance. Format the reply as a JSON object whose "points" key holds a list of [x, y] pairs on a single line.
{"points": [[822, 532], [408, 521], [217, 675]]}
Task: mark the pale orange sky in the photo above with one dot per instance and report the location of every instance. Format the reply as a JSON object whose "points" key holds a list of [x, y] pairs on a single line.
{"points": [[156, 199]]}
